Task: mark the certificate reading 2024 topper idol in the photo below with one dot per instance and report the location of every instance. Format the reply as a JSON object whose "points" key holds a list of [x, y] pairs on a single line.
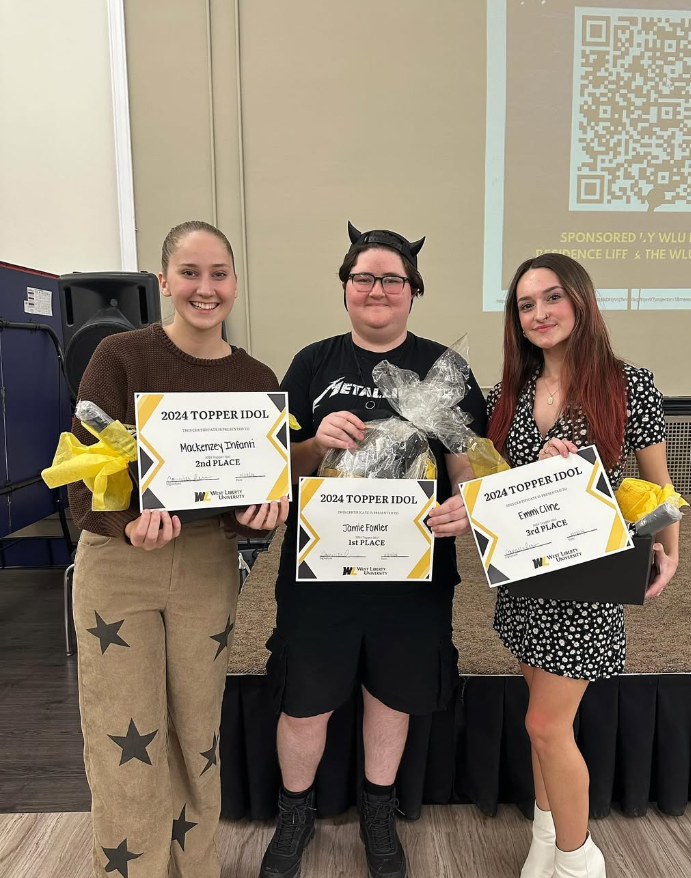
{"points": [[538, 518], [366, 529], [202, 450]]}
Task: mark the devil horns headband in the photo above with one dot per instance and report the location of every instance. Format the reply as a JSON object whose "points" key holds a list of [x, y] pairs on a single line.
{"points": [[384, 238]]}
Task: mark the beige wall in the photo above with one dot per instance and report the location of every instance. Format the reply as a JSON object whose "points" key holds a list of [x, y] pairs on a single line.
{"points": [[373, 112], [58, 198]]}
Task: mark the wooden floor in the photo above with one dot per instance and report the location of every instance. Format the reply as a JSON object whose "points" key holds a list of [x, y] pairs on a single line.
{"points": [[451, 840], [41, 764]]}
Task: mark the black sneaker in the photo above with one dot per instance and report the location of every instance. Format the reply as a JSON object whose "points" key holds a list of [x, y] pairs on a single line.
{"points": [[294, 831], [385, 854]]}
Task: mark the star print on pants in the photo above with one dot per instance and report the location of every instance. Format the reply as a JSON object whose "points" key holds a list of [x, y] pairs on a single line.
{"points": [[118, 858], [107, 633], [181, 827], [222, 638], [210, 755], [133, 744]]}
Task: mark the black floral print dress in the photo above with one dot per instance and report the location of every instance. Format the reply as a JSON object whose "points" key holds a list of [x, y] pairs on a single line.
{"points": [[586, 641]]}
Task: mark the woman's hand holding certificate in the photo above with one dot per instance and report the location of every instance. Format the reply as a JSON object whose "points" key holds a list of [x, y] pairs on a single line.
{"points": [[267, 516], [152, 530]]}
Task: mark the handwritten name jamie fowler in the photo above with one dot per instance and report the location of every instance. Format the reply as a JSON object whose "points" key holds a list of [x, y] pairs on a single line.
{"points": [[365, 529]]}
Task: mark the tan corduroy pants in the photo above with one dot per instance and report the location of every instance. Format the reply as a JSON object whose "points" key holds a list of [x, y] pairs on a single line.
{"points": [[153, 630]]}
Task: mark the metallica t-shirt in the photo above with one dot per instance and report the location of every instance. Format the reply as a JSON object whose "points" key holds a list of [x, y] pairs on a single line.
{"points": [[335, 375]]}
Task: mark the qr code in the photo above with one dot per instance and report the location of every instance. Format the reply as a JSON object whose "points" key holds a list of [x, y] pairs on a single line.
{"points": [[631, 129]]}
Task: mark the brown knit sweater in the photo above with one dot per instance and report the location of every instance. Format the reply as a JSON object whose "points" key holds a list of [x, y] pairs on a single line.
{"points": [[147, 361]]}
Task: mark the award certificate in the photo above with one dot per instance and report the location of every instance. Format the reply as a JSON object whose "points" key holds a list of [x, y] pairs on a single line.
{"points": [[202, 450], [366, 529], [544, 516]]}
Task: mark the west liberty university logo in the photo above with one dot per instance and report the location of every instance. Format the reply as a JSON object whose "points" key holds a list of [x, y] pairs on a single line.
{"points": [[350, 571], [202, 497], [540, 562]]}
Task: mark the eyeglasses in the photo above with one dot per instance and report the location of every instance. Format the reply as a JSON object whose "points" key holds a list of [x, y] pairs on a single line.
{"points": [[392, 284]]}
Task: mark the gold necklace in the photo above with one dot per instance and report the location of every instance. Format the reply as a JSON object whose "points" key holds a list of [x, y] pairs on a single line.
{"points": [[550, 398]]}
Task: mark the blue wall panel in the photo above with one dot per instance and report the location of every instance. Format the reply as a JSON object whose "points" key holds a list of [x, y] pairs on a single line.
{"points": [[37, 407]]}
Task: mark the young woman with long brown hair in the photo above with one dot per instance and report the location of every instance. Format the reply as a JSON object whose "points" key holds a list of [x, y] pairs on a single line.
{"points": [[562, 388]]}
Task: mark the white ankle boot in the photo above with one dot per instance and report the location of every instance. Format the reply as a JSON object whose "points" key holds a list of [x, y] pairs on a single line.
{"points": [[586, 862], [540, 862]]}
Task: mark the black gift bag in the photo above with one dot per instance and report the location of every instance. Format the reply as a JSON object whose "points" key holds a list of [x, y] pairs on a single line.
{"points": [[621, 578]]}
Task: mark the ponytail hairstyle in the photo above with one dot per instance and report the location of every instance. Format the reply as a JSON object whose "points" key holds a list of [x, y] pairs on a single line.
{"points": [[177, 233]]}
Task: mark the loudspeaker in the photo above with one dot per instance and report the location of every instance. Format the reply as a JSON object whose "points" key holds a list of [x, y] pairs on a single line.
{"points": [[98, 304]]}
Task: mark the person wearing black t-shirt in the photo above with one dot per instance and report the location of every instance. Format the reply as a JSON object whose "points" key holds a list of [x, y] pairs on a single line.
{"points": [[391, 638]]}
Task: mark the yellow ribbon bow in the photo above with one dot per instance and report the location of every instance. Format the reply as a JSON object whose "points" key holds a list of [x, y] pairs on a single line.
{"points": [[637, 498], [102, 467]]}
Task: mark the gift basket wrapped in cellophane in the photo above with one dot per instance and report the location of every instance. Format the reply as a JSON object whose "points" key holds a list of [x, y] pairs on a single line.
{"points": [[647, 507], [393, 448], [104, 467]]}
